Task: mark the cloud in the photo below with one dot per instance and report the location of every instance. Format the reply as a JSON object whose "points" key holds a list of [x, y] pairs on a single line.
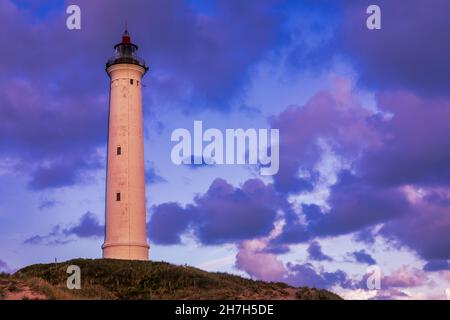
{"points": [[424, 229], [168, 222], [397, 284], [437, 265], [3, 266], [366, 235], [355, 205], [254, 259], [53, 238], [390, 294], [47, 203], [87, 227], [54, 138], [224, 214], [204, 162], [63, 172], [407, 53], [404, 277], [412, 147], [387, 154], [152, 176], [306, 275], [336, 117], [362, 256], [54, 98], [384, 154], [315, 252]]}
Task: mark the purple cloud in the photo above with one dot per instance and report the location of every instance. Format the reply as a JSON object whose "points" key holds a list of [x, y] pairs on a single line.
{"points": [[87, 227], [437, 265], [315, 252], [256, 261], [409, 50], [223, 214], [306, 275], [54, 137], [54, 99], [53, 238], [3, 266], [47, 203], [424, 229], [362, 256], [388, 156], [355, 205], [337, 118], [390, 294], [414, 148], [168, 222], [366, 235], [152, 175], [404, 277]]}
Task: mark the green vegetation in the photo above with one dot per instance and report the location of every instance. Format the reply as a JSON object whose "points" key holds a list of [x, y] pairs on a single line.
{"points": [[122, 279]]}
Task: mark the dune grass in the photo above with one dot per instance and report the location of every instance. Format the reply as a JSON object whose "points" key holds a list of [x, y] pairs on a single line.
{"points": [[123, 279]]}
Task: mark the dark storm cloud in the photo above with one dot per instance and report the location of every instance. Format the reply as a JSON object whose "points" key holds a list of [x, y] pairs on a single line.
{"points": [[36, 123], [409, 52], [54, 138], [223, 214], [54, 97], [183, 47], [315, 252]]}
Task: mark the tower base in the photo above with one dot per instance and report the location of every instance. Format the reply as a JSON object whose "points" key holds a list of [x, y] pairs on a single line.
{"points": [[126, 251]]}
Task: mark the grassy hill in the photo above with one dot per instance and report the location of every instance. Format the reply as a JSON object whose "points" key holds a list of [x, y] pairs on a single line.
{"points": [[122, 279]]}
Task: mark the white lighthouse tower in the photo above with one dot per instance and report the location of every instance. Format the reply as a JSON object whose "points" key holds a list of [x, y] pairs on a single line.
{"points": [[125, 236]]}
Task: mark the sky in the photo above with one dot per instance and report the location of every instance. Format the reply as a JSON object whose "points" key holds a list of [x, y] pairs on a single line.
{"points": [[363, 116]]}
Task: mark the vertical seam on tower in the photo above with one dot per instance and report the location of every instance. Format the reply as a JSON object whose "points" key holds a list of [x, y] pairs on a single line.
{"points": [[129, 153]]}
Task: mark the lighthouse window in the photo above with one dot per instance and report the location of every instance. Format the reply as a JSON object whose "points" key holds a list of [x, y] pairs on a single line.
{"points": [[131, 81], [138, 83], [118, 196], [119, 150]]}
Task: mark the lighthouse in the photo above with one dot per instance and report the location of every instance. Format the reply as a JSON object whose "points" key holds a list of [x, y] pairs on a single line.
{"points": [[125, 234]]}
